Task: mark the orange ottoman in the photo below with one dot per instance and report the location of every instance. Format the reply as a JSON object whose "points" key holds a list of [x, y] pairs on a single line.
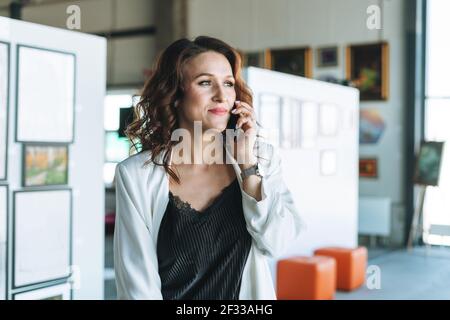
{"points": [[351, 265], [306, 278]]}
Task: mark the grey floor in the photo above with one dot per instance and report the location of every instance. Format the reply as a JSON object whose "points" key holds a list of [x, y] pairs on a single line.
{"points": [[420, 274]]}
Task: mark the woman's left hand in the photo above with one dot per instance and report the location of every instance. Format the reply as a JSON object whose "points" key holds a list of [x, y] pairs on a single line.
{"points": [[246, 138]]}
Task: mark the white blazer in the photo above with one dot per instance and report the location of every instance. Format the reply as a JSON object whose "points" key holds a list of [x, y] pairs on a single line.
{"points": [[142, 195]]}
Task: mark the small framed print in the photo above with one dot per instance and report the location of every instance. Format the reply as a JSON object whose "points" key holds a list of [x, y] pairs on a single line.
{"points": [[428, 163], [368, 167], [327, 57], [328, 162], [42, 233], [56, 292], [45, 95], [309, 124], [270, 116], [329, 119], [290, 119], [259, 59], [296, 61], [45, 165]]}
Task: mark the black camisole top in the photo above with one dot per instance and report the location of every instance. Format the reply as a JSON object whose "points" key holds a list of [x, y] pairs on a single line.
{"points": [[201, 255]]}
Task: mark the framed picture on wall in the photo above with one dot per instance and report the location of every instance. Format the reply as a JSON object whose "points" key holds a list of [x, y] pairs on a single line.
{"points": [[45, 165], [4, 99], [368, 167], [257, 59], [290, 120], [328, 119], [309, 124], [269, 112], [42, 224], [368, 70], [45, 95], [3, 239], [428, 163], [371, 126], [296, 61], [56, 292], [328, 162], [327, 57]]}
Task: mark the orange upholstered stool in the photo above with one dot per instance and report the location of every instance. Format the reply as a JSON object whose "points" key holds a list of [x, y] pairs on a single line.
{"points": [[306, 278], [351, 265]]}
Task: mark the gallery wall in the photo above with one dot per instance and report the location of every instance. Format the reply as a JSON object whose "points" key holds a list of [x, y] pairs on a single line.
{"points": [[261, 24], [319, 157], [55, 197]]}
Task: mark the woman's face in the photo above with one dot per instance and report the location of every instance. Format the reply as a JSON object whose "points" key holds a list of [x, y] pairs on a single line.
{"points": [[209, 92]]}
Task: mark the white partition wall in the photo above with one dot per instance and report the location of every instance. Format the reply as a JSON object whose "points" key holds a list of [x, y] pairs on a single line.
{"points": [[55, 211], [315, 128]]}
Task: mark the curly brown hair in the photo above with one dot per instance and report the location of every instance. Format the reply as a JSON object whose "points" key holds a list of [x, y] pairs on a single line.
{"points": [[155, 116]]}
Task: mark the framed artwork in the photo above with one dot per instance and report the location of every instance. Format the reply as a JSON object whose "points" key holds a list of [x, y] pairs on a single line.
{"points": [[56, 292], [42, 230], [4, 102], [328, 119], [428, 163], [368, 167], [327, 57], [3, 239], [290, 123], [328, 162], [45, 96], [259, 59], [309, 124], [45, 165], [296, 61], [371, 126], [270, 116], [368, 70]]}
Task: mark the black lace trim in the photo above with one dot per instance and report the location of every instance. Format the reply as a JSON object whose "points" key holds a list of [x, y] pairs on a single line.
{"points": [[185, 206]]}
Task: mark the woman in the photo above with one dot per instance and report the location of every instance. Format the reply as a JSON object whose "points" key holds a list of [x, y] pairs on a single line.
{"points": [[199, 229]]}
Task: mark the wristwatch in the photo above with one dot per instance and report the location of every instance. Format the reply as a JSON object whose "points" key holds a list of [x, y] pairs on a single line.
{"points": [[253, 170]]}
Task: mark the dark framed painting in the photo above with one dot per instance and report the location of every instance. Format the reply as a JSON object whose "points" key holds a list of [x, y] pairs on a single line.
{"points": [[327, 57], [428, 163], [257, 59], [45, 165], [368, 70], [296, 61], [368, 167]]}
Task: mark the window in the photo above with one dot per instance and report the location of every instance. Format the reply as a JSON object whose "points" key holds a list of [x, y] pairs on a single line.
{"points": [[437, 114], [116, 148]]}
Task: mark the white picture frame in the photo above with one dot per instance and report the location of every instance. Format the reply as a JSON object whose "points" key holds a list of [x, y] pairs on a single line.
{"points": [[290, 123], [329, 119], [56, 292], [328, 162], [309, 124], [270, 116], [3, 239], [4, 102], [45, 95], [41, 236]]}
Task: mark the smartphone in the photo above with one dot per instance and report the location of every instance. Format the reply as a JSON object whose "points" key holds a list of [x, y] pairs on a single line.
{"points": [[232, 123]]}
